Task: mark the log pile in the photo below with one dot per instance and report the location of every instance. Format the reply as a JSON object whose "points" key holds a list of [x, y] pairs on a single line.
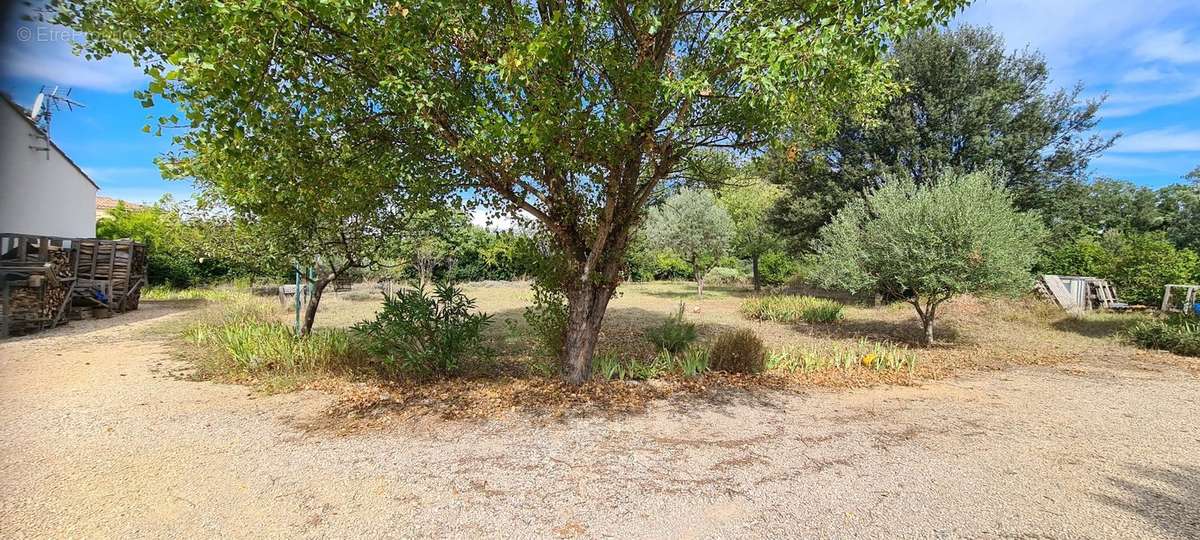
{"points": [[37, 301]]}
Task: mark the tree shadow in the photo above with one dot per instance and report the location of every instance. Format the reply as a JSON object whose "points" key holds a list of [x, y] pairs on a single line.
{"points": [[689, 292], [908, 331], [1096, 326], [1167, 497]]}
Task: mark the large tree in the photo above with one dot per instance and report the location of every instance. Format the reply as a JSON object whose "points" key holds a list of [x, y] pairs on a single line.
{"points": [[967, 103], [574, 113]]}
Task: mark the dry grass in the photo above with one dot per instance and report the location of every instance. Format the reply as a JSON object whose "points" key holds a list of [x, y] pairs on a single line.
{"points": [[974, 333]]}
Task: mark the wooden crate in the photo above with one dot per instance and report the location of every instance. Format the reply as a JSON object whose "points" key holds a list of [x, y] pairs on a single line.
{"points": [[116, 267]]}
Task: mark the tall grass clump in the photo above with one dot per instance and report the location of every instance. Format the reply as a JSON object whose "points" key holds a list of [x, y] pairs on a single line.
{"points": [[212, 294], [1179, 334], [247, 338], [674, 334], [791, 309], [863, 354]]}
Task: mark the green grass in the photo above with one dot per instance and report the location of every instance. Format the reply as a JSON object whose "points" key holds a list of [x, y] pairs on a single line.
{"points": [[247, 339], [691, 362], [214, 294], [1179, 334], [792, 309], [864, 354]]}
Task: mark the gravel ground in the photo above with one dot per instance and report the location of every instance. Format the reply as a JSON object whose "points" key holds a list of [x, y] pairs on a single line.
{"points": [[98, 439]]}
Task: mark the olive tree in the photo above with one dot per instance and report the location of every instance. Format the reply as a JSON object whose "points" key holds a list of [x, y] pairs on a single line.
{"points": [[692, 225], [573, 113], [929, 243]]}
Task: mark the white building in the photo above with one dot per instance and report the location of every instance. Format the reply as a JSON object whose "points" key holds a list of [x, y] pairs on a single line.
{"points": [[42, 192]]}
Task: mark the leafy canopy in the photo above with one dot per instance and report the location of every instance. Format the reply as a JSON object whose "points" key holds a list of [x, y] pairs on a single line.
{"points": [[967, 102]]}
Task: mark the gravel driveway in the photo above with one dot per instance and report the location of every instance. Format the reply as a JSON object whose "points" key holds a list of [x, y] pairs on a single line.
{"points": [[97, 439]]}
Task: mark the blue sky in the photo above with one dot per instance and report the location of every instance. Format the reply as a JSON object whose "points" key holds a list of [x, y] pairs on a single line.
{"points": [[1144, 55]]}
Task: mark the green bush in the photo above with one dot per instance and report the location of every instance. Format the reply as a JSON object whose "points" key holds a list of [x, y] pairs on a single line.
{"points": [[426, 333], [737, 351], [777, 268], [547, 320], [1179, 334], [674, 334], [792, 309], [724, 275]]}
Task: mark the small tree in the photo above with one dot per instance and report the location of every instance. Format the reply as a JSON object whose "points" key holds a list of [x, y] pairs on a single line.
{"points": [[930, 243], [692, 225], [749, 201]]}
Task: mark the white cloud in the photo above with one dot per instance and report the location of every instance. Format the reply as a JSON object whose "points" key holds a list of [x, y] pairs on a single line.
{"points": [[1131, 101], [42, 52], [1147, 74], [143, 195], [1175, 46], [1172, 139]]}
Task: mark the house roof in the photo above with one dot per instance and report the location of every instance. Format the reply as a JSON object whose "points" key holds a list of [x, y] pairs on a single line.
{"points": [[25, 116], [104, 204]]}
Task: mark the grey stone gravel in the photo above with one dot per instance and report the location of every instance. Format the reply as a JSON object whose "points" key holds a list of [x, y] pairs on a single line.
{"points": [[97, 439]]}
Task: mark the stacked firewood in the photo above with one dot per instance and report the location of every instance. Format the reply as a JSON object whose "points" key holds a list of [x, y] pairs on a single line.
{"points": [[34, 303]]}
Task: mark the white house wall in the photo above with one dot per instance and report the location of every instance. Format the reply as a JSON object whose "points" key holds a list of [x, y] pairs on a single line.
{"points": [[41, 192]]}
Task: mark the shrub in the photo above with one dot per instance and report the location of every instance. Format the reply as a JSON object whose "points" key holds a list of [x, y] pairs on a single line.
{"points": [[776, 268], [1179, 334], [870, 355], [547, 319], [724, 275], [737, 351], [674, 334], [792, 309], [1138, 265], [421, 332]]}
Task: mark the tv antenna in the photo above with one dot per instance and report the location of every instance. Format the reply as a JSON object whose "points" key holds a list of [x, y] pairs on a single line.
{"points": [[47, 103]]}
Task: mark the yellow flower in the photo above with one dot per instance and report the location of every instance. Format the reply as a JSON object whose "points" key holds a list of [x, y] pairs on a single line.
{"points": [[868, 360]]}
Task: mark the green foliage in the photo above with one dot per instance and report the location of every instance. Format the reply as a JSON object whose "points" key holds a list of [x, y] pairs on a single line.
{"points": [[247, 338], [1142, 264], [693, 362], [420, 332], [722, 275], [777, 267], [674, 334], [967, 102], [187, 247], [791, 309], [692, 225], [1179, 334], [547, 319], [749, 200], [610, 366], [931, 243], [737, 351], [1084, 256], [865, 354]]}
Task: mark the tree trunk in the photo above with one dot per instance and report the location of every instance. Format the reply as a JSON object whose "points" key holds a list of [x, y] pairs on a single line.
{"points": [[754, 273], [699, 283], [927, 322], [586, 305], [310, 311]]}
